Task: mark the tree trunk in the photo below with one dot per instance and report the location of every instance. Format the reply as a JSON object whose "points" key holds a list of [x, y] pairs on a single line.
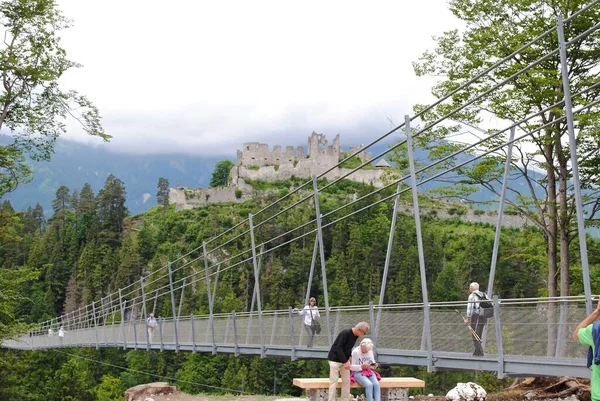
{"points": [[551, 235], [564, 224]]}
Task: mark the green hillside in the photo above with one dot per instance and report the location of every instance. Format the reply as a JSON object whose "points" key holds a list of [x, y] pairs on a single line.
{"points": [[90, 248]]}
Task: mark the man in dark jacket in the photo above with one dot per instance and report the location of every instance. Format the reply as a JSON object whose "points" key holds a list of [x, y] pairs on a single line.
{"points": [[339, 359]]}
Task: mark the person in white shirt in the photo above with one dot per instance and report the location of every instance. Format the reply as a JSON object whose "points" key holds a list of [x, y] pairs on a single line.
{"points": [[473, 318], [61, 334], [363, 361], [310, 313], [151, 325]]}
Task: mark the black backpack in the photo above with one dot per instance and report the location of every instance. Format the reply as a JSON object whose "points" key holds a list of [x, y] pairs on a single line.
{"points": [[486, 307]]}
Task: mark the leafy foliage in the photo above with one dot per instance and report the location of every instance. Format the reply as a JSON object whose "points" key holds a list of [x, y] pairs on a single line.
{"points": [[34, 107], [220, 177]]}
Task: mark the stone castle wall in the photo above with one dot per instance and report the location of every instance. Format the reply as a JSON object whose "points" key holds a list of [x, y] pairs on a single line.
{"points": [[306, 169], [258, 154], [185, 198], [256, 162]]}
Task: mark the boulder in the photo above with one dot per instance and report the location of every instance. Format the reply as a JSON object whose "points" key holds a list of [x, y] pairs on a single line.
{"points": [[466, 392], [143, 391]]}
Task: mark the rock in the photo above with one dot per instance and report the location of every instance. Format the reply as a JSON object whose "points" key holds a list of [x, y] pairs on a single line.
{"points": [[529, 395], [143, 391], [466, 392]]}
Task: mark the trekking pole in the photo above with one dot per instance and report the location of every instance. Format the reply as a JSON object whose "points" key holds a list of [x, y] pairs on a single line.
{"points": [[469, 326]]}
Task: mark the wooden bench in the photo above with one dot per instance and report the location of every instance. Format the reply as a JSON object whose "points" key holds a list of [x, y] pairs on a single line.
{"points": [[392, 388]]}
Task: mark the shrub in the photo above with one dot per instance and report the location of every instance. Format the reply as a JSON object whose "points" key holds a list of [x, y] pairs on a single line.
{"points": [[238, 193], [478, 212]]}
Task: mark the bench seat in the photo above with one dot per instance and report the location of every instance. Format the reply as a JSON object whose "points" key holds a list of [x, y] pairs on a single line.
{"points": [[392, 388], [385, 382]]}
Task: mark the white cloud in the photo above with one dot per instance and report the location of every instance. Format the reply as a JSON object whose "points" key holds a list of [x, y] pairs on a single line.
{"points": [[205, 76]]}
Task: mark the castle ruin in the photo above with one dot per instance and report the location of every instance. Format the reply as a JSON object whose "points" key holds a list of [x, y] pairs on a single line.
{"points": [[256, 162]]}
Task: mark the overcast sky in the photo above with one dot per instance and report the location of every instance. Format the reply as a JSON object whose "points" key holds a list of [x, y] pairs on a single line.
{"points": [[203, 77]]}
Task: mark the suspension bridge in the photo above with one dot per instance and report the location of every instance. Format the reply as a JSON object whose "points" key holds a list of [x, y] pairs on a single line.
{"points": [[525, 336]]}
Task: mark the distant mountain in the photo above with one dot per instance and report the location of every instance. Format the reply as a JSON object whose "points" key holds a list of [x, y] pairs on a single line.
{"points": [[73, 164]]}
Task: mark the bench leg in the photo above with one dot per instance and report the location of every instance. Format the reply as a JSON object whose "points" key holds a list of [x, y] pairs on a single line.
{"points": [[394, 394], [318, 394]]}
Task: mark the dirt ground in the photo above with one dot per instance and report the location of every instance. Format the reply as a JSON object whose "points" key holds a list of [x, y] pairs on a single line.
{"points": [[186, 397], [545, 389]]}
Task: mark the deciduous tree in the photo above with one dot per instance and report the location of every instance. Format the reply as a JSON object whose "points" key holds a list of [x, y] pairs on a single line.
{"points": [[493, 30], [33, 106], [220, 177]]}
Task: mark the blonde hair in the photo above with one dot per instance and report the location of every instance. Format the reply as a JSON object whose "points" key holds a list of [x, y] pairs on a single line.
{"points": [[366, 343]]}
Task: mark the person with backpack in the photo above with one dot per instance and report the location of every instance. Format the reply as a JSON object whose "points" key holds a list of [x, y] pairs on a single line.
{"points": [[477, 315], [588, 333], [311, 323], [151, 325]]}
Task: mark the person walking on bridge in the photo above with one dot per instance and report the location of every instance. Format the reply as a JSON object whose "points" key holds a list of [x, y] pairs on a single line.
{"points": [[339, 359], [588, 333], [61, 335], [474, 319], [311, 314], [151, 325]]}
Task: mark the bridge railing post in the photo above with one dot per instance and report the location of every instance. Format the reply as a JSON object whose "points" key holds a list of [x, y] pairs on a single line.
{"points": [[210, 300], [193, 333], [564, 70], [322, 257], [312, 270], [560, 336], [292, 339], [386, 265], [372, 323], [173, 307], [235, 334], [135, 339], [498, 328], [181, 298], [257, 287], [95, 325], [160, 331], [155, 300], [426, 306], [273, 329], [122, 319], [490, 288], [101, 319], [144, 316]]}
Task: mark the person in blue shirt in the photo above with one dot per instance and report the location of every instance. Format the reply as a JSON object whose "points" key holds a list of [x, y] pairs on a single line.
{"points": [[584, 334]]}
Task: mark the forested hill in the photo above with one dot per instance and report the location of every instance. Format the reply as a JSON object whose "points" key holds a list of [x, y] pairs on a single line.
{"points": [[89, 248], [74, 164]]}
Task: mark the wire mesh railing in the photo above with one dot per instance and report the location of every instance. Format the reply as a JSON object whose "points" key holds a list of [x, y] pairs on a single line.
{"points": [[525, 327]]}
